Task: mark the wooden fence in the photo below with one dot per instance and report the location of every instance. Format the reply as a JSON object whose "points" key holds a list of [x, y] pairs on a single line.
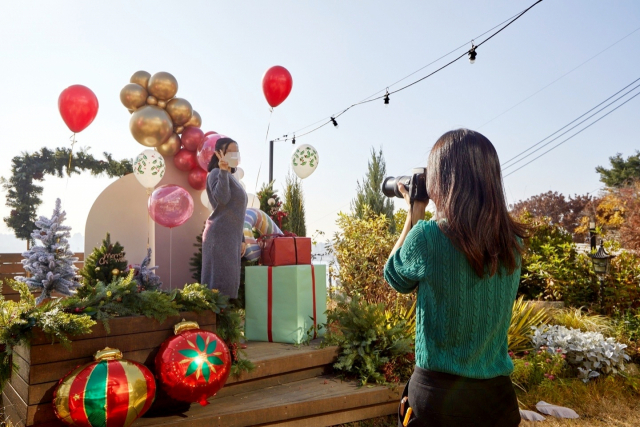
{"points": [[11, 266]]}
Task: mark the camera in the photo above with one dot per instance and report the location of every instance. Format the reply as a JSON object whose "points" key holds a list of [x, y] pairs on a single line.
{"points": [[416, 185]]}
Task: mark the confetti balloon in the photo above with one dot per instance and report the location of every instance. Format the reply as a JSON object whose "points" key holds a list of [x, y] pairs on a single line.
{"points": [[109, 392], [193, 365], [170, 205], [207, 148]]}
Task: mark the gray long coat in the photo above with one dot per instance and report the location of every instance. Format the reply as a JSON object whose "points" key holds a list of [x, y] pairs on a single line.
{"points": [[223, 234]]}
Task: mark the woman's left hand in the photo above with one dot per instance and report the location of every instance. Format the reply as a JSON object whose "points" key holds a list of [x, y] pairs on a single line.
{"points": [[244, 249]]}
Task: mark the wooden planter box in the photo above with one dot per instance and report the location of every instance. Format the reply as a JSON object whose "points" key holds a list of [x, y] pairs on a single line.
{"points": [[27, 397]]}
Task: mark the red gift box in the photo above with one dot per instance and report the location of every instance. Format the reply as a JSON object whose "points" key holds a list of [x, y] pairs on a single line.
{"points": [[289, 249]]}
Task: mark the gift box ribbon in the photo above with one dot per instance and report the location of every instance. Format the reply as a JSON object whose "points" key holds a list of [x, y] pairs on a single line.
{"points": [[270, 302]]}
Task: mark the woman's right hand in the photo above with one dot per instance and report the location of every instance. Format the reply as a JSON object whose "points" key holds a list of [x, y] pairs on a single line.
{"points": [[222, 163]]}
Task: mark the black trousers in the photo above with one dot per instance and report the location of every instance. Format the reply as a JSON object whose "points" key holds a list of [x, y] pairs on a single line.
{"points": [[439, 399]]}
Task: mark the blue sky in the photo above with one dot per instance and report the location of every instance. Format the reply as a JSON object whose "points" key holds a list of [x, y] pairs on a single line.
{"points": [[338, 53]]}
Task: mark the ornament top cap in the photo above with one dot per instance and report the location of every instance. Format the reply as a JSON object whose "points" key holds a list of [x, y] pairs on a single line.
{"points": [[185, 325], [108, 354]]}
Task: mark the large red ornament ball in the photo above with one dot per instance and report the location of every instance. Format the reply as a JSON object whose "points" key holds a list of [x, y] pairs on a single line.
{"points": [[193, 365], [185, 160], [192, 137], [198, 178], [109, 392]]}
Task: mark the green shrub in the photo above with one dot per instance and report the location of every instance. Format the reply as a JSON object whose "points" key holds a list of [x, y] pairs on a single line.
{"points": [[535, 367], [375, 345]]}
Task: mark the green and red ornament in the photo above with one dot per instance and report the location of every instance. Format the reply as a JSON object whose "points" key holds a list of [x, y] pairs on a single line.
{"points": [[109, 392], [193, 365]]}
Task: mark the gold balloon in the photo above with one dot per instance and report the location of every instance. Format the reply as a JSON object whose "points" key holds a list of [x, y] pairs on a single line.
{"points": [[179, 129], [141, 78], [195, 120], [180, 111], [151, 100], [133, 96], [131, 111], [163, 86], [151, 126], [162, 104], [171, 147]]}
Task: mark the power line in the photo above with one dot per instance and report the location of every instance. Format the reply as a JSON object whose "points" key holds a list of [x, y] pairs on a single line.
{"points": [[505, 166], [335, 116], [565, 74], [577, 133]]}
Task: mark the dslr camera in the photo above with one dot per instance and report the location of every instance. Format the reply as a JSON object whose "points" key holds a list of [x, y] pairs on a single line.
{"points": [[415, 184]]}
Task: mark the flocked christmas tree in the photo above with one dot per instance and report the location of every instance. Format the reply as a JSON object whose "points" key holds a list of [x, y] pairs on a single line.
{"points": [[105, 264], [145, 276], [50, 263]]}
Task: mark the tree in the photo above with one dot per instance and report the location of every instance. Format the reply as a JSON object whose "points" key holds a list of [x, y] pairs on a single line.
{"points": [[51, 264], [271, 204], [103, 265], [370, 191], [555, 207], [622, 172], [294, 206]]}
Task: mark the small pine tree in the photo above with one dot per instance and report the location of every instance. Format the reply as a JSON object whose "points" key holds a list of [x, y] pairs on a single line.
{"points": [[50, 265], [370, 191], [294, 206], [145, 276], [271, 204], [103, 265], [196, 260]]}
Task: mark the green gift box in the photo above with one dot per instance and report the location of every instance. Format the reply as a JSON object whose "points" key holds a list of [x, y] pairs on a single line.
{"points": [[282, 302]]}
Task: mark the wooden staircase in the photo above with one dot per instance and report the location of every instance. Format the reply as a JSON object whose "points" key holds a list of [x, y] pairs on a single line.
{"points": [[291, 386]]}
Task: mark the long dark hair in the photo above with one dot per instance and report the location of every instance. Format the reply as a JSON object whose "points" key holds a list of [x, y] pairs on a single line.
{"points": [[464, 180], [221, 144]]}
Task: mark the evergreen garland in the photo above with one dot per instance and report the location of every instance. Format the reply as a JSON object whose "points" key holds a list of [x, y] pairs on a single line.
{"points": [[23, 195], [103, 265]]}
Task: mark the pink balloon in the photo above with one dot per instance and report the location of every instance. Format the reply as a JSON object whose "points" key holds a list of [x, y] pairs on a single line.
{"points": [[192, 137], [185, 160], [170, 205], [206, 149]]}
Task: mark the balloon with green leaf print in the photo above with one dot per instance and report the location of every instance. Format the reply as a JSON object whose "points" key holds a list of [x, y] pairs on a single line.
{"points": [[149, 168], [304, 160]]}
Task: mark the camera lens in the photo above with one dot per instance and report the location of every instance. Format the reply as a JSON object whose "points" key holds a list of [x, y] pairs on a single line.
{"points": [[390, 185]]}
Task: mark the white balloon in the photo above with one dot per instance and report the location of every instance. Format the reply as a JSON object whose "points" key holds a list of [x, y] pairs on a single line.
{"points": [[244, 187], [239, 173], [304, 160], [149, 168], [253, 201], [205, 200]]}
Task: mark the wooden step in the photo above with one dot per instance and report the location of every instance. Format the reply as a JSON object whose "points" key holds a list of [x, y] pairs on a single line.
{"points": [[322, 400]]}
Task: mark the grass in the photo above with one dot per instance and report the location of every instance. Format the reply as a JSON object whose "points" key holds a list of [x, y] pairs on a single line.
{"points": [[576, 318], [611, 401]]}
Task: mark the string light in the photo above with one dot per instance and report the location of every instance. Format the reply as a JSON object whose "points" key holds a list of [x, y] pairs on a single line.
{"points": [[293, 141], [472, 54]]}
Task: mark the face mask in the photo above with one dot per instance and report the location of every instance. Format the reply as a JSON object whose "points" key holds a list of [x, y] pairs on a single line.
{"points": [[232, 158]]}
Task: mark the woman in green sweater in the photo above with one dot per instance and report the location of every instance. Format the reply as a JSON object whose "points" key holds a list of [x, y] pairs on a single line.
{"points": [[465, 264]]}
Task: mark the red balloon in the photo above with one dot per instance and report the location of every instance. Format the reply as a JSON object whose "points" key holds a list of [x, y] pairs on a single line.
{"points": [[192, 137], [185, 160], [170, 205], [276, 85], [78, 107], [198, 178], [193, 365]]}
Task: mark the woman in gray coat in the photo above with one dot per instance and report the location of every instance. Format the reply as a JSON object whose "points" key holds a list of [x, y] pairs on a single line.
{"points": [[223, 239]]}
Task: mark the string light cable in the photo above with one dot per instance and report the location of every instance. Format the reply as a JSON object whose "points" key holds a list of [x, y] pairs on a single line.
{"points": [[469, 53], [510, 162], [572, 136]]}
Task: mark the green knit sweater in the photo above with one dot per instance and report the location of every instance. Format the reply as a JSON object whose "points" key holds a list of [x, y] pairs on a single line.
{"points": [[461, 319]]}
